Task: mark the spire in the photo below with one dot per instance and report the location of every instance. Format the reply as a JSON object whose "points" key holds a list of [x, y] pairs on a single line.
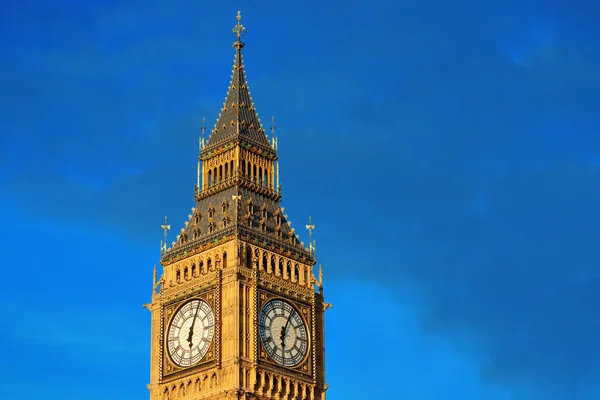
{"points": [[238, 119]]}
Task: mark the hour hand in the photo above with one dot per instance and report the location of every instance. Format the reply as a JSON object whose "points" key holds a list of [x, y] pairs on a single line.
{"points": [[282, 337], [190, 336]]}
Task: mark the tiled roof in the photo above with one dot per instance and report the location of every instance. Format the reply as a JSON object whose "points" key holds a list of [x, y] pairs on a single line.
{"points": [[238, 119]]}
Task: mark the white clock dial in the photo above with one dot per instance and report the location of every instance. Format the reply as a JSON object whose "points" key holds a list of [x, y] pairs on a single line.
{"points": [[190, 333], [283, 333]]}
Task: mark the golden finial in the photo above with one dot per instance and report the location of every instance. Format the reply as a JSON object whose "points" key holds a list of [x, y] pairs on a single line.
{"points": [[321, 278], [239, 30], [310, 228], [165, 228], [273, 140]]}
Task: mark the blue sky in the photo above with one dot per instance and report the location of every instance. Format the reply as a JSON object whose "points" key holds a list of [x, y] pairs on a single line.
{"points": [[448, 152]]}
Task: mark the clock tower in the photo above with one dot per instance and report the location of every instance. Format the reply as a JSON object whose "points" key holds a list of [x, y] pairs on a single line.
{"points": [[235, 314]]}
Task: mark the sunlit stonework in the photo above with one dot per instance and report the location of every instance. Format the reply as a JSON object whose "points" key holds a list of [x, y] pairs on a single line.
{"points": [[235, 314]]}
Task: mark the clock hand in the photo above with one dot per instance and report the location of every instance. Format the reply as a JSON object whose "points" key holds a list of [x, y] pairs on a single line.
{"points": [[190, 336], [282, 337], [284, 330], [288, 322]]}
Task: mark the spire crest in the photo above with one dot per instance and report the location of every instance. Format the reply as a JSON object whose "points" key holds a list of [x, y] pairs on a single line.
{"points": [[238, 119], [240, 31]]}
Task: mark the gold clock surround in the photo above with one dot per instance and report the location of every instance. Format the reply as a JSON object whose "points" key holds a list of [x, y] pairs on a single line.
{"points": [[304, 311], [169, 311]]}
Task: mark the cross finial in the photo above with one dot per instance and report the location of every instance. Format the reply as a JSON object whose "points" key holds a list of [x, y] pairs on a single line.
{"points": [[310, 228], [273, 140], [165, 228], [239, 30]]}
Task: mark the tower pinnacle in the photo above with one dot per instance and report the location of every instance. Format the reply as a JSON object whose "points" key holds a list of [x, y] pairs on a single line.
{"points": [[240, 31]]}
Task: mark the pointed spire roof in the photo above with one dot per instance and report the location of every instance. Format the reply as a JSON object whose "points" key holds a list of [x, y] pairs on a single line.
{"points": [[238, 119]]}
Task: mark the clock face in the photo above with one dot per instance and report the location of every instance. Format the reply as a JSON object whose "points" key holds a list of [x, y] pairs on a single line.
{"points": [[190, 333], [283, 333]]}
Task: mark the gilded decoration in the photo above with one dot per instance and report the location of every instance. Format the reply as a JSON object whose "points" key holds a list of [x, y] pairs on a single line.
{"points": [[306, 313], [170, 308]]}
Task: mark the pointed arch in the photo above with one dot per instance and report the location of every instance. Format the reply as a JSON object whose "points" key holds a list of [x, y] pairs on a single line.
{"points": [[248, 257], [288, 270]]}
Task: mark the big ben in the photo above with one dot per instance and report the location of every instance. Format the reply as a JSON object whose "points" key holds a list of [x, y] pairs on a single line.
{"points": [[235, 313]]}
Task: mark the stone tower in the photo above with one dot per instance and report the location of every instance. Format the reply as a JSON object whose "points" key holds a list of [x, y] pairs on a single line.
{"points": [[235, 314]]}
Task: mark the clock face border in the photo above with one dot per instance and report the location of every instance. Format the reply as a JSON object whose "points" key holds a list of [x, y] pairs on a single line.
{"points": [[169, 311], [188, 318], [305, 312]]}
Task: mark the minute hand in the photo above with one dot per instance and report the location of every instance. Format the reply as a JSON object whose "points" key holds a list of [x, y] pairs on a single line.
{"points": [[192, 327], [288, 322]]}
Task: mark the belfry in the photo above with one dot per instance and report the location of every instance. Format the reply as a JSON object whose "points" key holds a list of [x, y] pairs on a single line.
{"points": [[235, 313]]}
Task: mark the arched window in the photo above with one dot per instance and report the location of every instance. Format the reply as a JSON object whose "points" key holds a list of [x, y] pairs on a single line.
{"points": [[224, 260], [248, 257]]}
